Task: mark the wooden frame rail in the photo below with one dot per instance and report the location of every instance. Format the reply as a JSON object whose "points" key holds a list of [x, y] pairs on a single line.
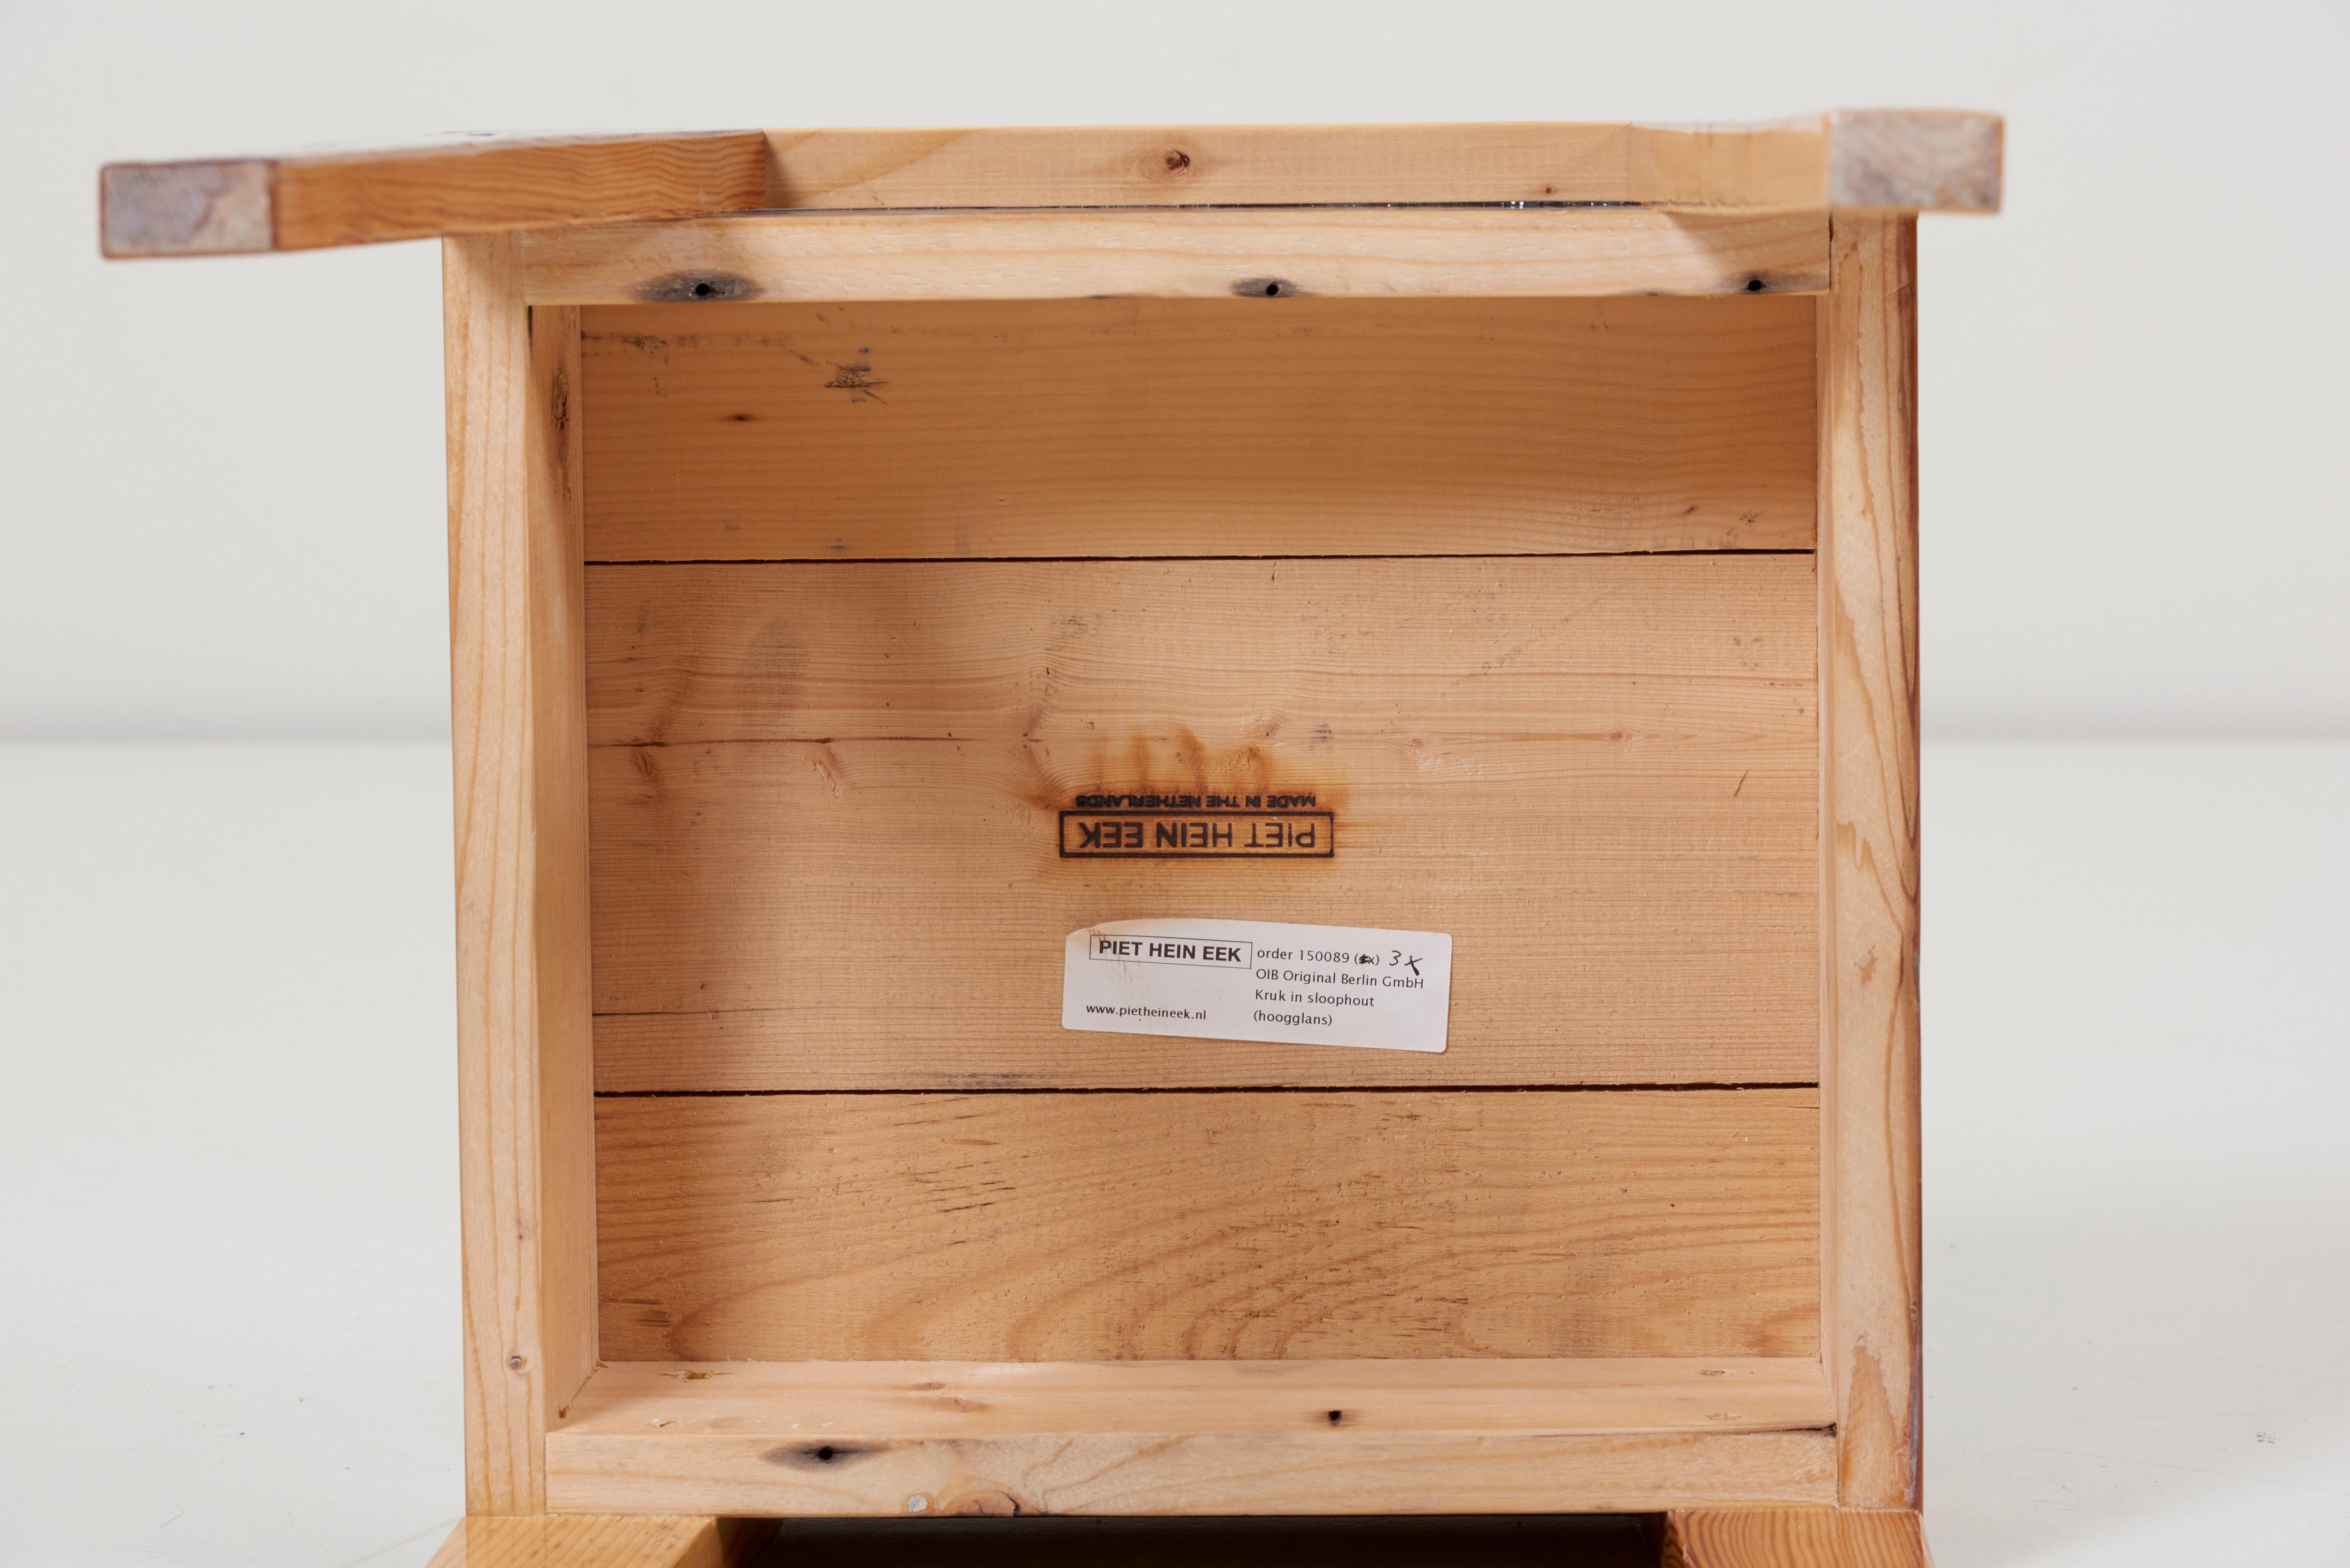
{"points": [[885, 1439], [1249, 253], [474, 186], [1908, 159]]}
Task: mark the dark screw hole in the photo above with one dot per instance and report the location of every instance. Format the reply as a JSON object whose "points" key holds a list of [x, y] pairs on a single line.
{"points": [[1336, 1416], [1272, 290], [701, 290], [1754, 285], [824, 1453]]}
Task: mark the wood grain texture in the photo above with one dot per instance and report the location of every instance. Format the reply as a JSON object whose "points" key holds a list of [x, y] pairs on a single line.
{"points": [[588, 1540], [468, 186], [892, 1400], [1258, 254], [1795, 1538], [1779, 165], [1868, 735], [1596, 774], [1872, 158], [1330, 1472], [517, 694], [1123, 428], [1228, 1226]]}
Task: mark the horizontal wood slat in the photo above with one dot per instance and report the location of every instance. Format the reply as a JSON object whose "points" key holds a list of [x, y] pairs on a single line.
{"points": [[1894, 158], [1325, 1473], [889, 1401], [462, 186], [1285, 165], [1256, 253], [1250, 1226], [1199, 428], [1596, 774], [970, 1438], [1871, 158]]}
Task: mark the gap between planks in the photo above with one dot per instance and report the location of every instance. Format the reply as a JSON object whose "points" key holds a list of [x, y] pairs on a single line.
{"points": [[1213, 1089], [1052, 560]]}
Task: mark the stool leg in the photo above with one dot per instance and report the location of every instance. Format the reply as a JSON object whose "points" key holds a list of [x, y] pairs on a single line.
{"points": [[602, 1540], [1795, 1538]]}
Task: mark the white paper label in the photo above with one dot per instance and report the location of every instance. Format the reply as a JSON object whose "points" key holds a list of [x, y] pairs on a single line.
{"points": [[1255, 980]]}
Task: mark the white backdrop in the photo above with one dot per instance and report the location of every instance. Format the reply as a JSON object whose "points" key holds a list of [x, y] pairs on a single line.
{"points": [[223, 502]]}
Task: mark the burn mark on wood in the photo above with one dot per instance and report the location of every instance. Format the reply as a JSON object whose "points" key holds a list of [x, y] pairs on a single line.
{"points": [[1266, 288], [687, 288]]}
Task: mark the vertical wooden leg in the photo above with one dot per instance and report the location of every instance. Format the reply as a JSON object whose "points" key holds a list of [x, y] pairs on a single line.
{"points": [[1795, 1538], [591, 1540], [517, 658], [1871, 1253]]}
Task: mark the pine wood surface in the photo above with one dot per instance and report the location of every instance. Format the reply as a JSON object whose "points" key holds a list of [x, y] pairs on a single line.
{"points": [[1869, 586], [1870, 157], [1938, 159], [889, 1400], [839, 868], [1768, 166], [517, 686], [1795, 1538], [1197, 427], [1333, 1472], [1258, 254], [1063, 1227], [461, 186], [575, 1541]]}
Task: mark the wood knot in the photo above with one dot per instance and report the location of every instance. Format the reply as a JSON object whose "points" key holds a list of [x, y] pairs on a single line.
{"points": [[818, 1456], [689, 288]]}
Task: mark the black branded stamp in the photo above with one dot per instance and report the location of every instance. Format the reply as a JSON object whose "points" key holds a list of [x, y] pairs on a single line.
{"points": [[1198, 827]]}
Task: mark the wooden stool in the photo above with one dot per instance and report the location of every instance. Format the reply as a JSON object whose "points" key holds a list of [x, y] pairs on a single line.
{"points": [[880, 558]]}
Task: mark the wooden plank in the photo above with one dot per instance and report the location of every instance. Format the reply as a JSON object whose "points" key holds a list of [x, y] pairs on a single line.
{"points": [[896, 1400], [1596, 774], [1217, 1226], [1254, 253], [1441, 1435], [1868, 736], [1188, 428], [1875, 158], [471, 186], [1919, 160], [587, 1540], [1334, 1471], [1908, 158], [517, 692], [1795, 1538]]}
